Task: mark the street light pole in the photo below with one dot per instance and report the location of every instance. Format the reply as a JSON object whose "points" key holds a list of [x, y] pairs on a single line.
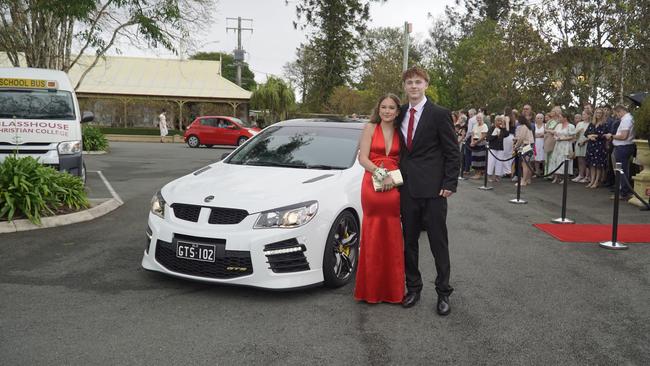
{"points": [[407, 29]]}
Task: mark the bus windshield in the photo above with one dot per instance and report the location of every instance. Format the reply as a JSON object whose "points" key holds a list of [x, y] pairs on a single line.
{"points": [[36, 104]]}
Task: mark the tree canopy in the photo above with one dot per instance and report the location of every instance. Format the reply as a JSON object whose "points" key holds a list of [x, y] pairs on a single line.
{"points": [[228, 68], [274, 97], [47, 31], [335, 30]]}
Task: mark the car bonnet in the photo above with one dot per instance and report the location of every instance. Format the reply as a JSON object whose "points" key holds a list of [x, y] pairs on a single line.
{"points": [[252, 188]]}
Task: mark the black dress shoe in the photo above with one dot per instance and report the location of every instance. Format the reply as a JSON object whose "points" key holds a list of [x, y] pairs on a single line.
{"points": [[410, 299], [443, 305]]}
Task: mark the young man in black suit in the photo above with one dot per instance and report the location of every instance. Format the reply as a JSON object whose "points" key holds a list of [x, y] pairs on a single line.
{"points": [[429, 162]]}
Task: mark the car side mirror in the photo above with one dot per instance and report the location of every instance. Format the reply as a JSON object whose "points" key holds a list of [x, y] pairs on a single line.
{"points": [[224, 155], [87, 117]]}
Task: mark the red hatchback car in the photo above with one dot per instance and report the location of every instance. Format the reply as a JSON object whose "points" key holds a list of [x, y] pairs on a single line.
{"points": [[218, 130]]}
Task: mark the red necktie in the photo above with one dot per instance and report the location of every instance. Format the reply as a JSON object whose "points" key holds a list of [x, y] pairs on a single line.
{"points": [[409, 131]]}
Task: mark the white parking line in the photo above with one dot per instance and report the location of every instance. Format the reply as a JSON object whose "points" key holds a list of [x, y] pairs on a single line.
{"points": [[109, 186]]}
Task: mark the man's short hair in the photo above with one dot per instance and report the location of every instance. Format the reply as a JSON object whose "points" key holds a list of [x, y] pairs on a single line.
{"points": [[415, 71], [620, 107]]}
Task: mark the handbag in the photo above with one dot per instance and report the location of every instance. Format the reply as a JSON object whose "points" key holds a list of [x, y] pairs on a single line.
{"points": [[396, 175], [524, 149]]}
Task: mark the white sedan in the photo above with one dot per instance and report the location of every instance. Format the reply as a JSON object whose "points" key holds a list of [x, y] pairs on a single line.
{"points": [[282, 211]]}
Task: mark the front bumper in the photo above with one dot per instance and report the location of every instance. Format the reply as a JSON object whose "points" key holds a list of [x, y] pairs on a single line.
{"points": [[238, 246]]}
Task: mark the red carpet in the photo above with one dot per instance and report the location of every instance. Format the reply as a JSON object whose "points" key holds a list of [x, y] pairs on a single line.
{"points": [[590, 233]]}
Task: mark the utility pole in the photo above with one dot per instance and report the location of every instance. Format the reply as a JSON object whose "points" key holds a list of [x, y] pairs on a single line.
{"points": [[239, 52], [408, 27]]}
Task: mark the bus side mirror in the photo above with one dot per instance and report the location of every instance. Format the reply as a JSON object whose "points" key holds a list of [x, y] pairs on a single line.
{"points": [[87, 117]]}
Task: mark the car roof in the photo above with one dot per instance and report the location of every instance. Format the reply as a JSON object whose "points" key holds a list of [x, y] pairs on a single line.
{"points": [[322, 122]]}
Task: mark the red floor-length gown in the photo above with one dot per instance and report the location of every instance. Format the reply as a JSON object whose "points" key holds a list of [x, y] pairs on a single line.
{"points": [[380, 274]]}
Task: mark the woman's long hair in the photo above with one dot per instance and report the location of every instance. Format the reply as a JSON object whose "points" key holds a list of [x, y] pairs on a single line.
{"points": [[375, 118], [599, 120]]}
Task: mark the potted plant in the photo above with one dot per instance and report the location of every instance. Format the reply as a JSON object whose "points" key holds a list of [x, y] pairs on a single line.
{"points": [[642, 134]]}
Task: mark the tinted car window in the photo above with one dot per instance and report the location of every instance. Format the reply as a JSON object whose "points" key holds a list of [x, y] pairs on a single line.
{"points": [[301, 147], [212, 122]]}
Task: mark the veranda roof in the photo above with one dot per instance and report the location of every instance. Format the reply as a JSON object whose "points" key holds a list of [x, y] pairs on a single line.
{"points": [[139, 76]]}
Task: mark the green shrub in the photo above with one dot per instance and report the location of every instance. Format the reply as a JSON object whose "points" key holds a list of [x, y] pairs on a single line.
{"points": [[642, 121], [137, 131], [93, 139], [29, 189]]}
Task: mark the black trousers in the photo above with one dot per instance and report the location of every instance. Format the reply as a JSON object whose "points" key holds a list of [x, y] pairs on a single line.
{"points": [[430, 213]]}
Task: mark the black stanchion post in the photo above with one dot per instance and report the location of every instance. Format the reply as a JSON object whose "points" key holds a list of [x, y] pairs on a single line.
{"points": [[485, 176], [563, 219], [617, 195], [518, 200], [462, 160]]}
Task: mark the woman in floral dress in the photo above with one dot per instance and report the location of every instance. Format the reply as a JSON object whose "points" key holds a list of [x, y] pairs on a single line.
{"points": [[596, 148]]}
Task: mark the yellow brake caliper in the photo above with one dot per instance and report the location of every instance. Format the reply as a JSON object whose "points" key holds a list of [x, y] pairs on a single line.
{"points": [[345, 249]]}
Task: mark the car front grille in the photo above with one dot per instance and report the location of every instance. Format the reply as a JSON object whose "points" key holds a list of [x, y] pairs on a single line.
{"points": [[29, 148], [228, 263], [186, 212], [227, 216], [294, 261], [218, 215]]}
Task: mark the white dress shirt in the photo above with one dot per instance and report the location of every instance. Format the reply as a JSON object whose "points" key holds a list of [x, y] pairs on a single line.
{"points": [[405, 122], [627, 124]]}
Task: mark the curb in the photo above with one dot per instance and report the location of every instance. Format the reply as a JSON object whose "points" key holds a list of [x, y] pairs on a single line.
{"points": [[54, 221], [144, 138], [102, 209], [94, 152]]}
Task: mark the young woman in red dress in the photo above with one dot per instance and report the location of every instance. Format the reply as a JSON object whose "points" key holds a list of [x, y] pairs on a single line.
{"points": [[380, 273]]}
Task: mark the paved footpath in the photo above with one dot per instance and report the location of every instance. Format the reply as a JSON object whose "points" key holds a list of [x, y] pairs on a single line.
{"points": [[76, 295]]}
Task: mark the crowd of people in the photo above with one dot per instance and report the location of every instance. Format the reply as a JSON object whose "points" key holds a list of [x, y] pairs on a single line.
{"points": [[591, 143]]}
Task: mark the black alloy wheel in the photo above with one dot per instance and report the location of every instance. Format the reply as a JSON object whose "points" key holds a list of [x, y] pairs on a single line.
{"points": [[341, 250]]}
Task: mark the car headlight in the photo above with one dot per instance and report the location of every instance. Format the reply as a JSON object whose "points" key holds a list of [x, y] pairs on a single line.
{"points": [[287, 217], [69, 147], [158, 205]]}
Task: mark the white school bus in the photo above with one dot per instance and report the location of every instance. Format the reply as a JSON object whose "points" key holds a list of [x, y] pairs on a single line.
{"points": [[39, 117]]}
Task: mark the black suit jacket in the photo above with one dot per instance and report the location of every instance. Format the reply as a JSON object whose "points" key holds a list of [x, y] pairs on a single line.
{"points": [[434, 161]]}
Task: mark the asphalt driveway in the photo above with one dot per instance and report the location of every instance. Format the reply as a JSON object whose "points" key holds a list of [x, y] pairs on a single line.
{"points": [[76, 295]]}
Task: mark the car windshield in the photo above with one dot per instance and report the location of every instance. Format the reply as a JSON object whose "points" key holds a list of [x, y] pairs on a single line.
{"points": [[301, 147], [36, 104], [241, 123]]}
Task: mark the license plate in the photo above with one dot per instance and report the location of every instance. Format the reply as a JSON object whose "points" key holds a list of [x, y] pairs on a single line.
{"points": [[195, 251]]}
